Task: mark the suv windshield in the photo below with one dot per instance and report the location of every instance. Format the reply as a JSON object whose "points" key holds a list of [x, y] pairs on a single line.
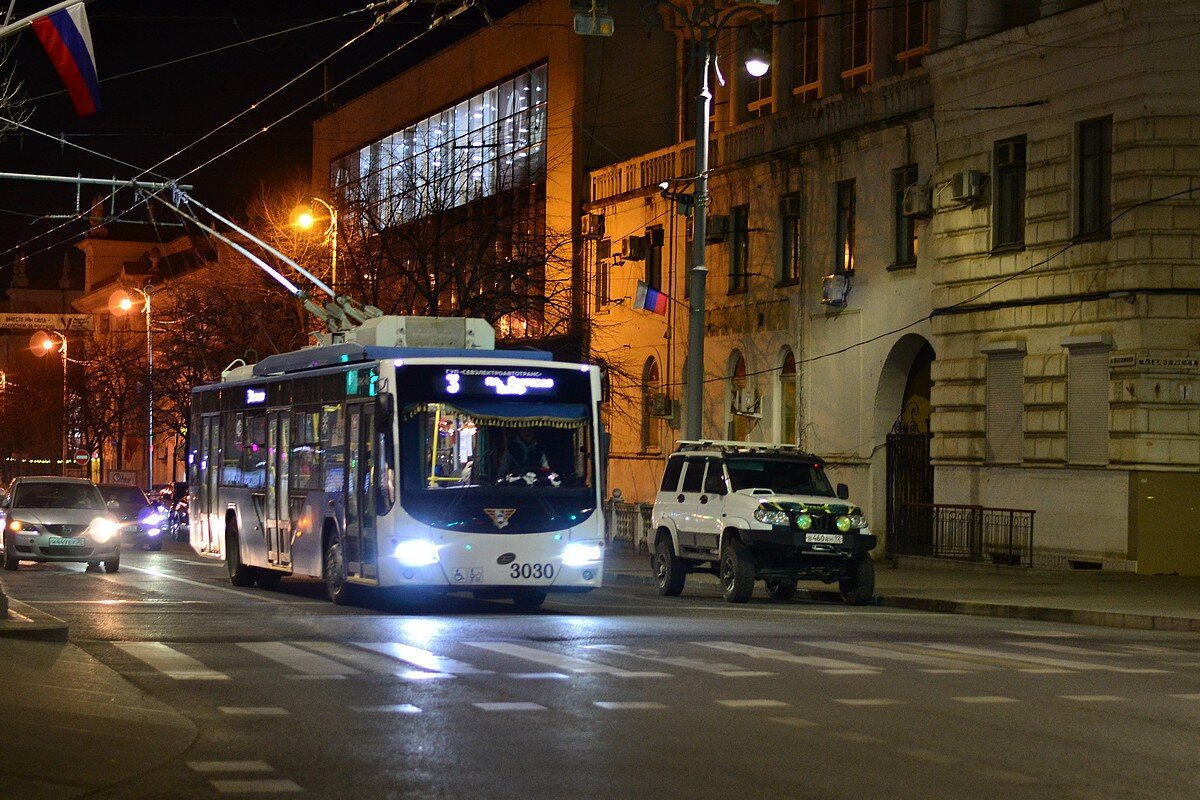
{"points": [[57, 495], [780, 475]]}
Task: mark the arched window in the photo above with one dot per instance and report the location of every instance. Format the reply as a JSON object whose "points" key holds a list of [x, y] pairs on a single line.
{"points": [[739, 423], [653, 407], [789, 410]]}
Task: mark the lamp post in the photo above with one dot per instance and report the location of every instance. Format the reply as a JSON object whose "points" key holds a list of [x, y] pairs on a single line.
{"points": [[305, 220], [42, 345], [121, 303], [703, 22]]}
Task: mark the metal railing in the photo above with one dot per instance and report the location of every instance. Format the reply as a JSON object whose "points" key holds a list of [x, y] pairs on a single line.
{"points": [[972, 533], [628, 524]]}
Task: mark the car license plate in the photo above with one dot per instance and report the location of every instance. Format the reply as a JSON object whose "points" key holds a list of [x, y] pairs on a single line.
{"points": [[823, 538], [58, 541]]}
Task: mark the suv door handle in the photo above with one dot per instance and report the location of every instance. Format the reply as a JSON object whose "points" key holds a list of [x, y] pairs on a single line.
{"points": [[703, 498], [679, 499]]}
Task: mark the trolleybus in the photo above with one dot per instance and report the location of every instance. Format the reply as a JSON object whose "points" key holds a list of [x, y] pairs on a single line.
{"points": [[453, 470]]}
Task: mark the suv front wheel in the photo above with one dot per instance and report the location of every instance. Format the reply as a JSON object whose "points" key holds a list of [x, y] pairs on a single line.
{"points": [[669, 570], [857, 587], [736, 571]]}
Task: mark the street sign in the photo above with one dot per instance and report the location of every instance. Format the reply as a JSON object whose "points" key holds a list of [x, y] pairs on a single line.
{"points": [[62, 322], [82, 457]]}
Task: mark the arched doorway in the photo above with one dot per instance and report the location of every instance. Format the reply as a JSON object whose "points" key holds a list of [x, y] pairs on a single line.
{"points": [[903, 408]]}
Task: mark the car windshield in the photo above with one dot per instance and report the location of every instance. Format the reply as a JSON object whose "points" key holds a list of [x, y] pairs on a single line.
{"points": [[125, 495], [780, 475], [57, 495]]}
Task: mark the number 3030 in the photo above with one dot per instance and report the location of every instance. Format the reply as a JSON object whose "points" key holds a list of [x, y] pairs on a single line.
{"points": [[531, 571]]}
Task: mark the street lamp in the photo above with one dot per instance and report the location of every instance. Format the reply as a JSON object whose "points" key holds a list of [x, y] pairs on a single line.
{"points": [[703, 22], [305, 220], [42, 345], [120, 303]]}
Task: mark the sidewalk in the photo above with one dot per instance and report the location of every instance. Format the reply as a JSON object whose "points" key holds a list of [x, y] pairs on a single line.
{"points": [[1084, 597], [19, 621]]}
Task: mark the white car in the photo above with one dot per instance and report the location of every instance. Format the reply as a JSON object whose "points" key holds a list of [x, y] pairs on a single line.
{"points": [[59, 519], [751, 511]]}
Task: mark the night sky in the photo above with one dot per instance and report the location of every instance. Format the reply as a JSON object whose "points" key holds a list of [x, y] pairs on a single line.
{"points": [[152, 108]]}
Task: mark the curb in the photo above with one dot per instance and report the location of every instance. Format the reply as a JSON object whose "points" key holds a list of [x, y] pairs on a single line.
{"points": [[1074, 616], [21, 621]]}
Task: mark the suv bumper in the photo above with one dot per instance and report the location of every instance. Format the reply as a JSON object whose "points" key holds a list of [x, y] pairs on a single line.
{"points": [[808, 541]]}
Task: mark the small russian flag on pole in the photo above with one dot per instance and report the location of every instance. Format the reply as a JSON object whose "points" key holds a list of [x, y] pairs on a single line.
{"points": [[68, 42], [650, 299]]}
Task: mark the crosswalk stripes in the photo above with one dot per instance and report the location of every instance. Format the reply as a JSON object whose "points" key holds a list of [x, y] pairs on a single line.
{"points": [[171, 662], [828, 665], [1032, 661], [559, 661], [234, 782], [422, 659], [308, 664], [884, 651], [723, 669]]}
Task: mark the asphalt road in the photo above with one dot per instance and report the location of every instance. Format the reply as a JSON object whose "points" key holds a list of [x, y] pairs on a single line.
{"points": [[622, 694]]}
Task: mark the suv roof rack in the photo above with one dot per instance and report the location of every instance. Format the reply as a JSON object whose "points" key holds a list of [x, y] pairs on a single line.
{"points": [[726, 446]]}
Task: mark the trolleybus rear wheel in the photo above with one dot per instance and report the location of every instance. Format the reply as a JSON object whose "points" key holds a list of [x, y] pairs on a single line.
{"points": [[239, 573]]}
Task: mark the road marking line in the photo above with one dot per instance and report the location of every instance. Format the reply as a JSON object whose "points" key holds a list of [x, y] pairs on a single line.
{"points": [[539, 676], [753, 703], [1068, 650], [855, 736], [400, 708], [986, 698], [171, 662], [928, 755], [745, 673], [633, 705], [1028, 661], [1185, 696], [868, 701], [309, 664], [819, 662], [1044, 634], [422, 658], [682, 662], [230, 766], [255, 786], [878, 650], [1047, 671], [946, 671], [422, 675], [564, 662], [253, 711], [509, 706], [795, 722], [1093, 698], [242, 593]]}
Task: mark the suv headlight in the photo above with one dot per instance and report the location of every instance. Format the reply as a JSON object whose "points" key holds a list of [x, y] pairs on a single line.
{"points": [[771, 516], [102, 529]]}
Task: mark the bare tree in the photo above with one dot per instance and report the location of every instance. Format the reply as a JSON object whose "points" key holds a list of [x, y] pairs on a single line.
{"points": [[109, 393]]}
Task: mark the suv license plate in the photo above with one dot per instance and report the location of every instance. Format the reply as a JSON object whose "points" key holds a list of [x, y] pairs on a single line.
{"points": [[58, 541], [823, 538]]}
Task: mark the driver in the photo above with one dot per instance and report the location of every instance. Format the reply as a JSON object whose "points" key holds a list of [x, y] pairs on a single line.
{"points": [[524, 454]]}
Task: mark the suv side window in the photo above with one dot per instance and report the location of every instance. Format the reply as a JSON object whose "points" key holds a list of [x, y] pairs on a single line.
{"points": [[714, 479], [670, 481], [693, 477]]}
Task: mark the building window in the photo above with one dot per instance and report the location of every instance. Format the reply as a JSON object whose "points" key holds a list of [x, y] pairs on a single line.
{"points": [[904, 228], [789, 410], [1008, 227], [603, 256], [739, 247], [654, 253], [910, 31], [651, 398], [759, 91], [806, 50], [1087, 404], [843, 251], [1093, 199], [856, 43], [1005, 407], [791, 231], [739, 424]]}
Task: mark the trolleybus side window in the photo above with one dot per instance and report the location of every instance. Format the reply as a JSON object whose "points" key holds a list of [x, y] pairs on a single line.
{"points": [[333, 434], [254, 452], [306, 454], [233, 431]]}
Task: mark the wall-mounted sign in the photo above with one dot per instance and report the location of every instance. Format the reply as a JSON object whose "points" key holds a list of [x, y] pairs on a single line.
{"points": [[61, 322]]}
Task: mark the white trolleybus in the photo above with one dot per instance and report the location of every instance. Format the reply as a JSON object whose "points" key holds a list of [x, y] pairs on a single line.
{"points": [[459, 469]]}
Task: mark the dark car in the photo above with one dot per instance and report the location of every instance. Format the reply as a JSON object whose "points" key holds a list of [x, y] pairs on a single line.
{"points": [[142, 522]]}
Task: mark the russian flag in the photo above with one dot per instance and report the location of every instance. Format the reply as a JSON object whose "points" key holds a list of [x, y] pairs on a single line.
{"points": [[68, 42], [650, 299]]}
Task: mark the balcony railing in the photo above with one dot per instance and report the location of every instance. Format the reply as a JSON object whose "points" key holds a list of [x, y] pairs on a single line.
{"points": [[970, 533]]}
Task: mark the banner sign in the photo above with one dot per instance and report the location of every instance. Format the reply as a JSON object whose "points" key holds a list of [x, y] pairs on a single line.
{"points": [[60, 322]]}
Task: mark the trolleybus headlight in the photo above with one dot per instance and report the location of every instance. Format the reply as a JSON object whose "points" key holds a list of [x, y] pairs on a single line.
{"points": [[416, 552], [580, 554], [103, 529]]}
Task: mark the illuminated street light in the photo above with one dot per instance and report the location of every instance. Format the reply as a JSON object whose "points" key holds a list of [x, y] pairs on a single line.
{"points": [[121, 303], [305, 220], [43, 345]]}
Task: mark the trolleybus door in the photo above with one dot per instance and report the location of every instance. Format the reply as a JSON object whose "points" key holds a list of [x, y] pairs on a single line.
{"points": [[360, 496], [211, 443], [276, 517]]}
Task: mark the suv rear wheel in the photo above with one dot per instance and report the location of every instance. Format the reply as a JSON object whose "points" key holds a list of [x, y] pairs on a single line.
{"points": [[670, 572], [857, 587], [736, 571]]}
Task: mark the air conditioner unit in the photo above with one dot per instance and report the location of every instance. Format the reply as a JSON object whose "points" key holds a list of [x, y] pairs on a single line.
{"points": [[918, 201], [654, 237], [834, 289], [658, 405], [746, 403], [718, 229], [634, 248], [966, 186], [592, 226]]}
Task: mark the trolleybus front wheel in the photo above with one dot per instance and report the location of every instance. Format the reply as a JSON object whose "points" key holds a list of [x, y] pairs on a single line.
{"points": [[528, 598], [336, 585]]}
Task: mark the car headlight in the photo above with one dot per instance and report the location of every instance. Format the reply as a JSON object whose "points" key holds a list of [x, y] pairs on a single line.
{"points": [[102, 529], [416, 552], [16, 526], [580, 554], [153, 518], [771, 516]]}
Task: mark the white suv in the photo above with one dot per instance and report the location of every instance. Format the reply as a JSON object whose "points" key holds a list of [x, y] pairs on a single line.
{"points": [[748, 511]]}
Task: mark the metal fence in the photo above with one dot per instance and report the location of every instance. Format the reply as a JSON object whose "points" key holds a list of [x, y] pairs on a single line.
{"points": [[976, 533], [628, 524]]}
